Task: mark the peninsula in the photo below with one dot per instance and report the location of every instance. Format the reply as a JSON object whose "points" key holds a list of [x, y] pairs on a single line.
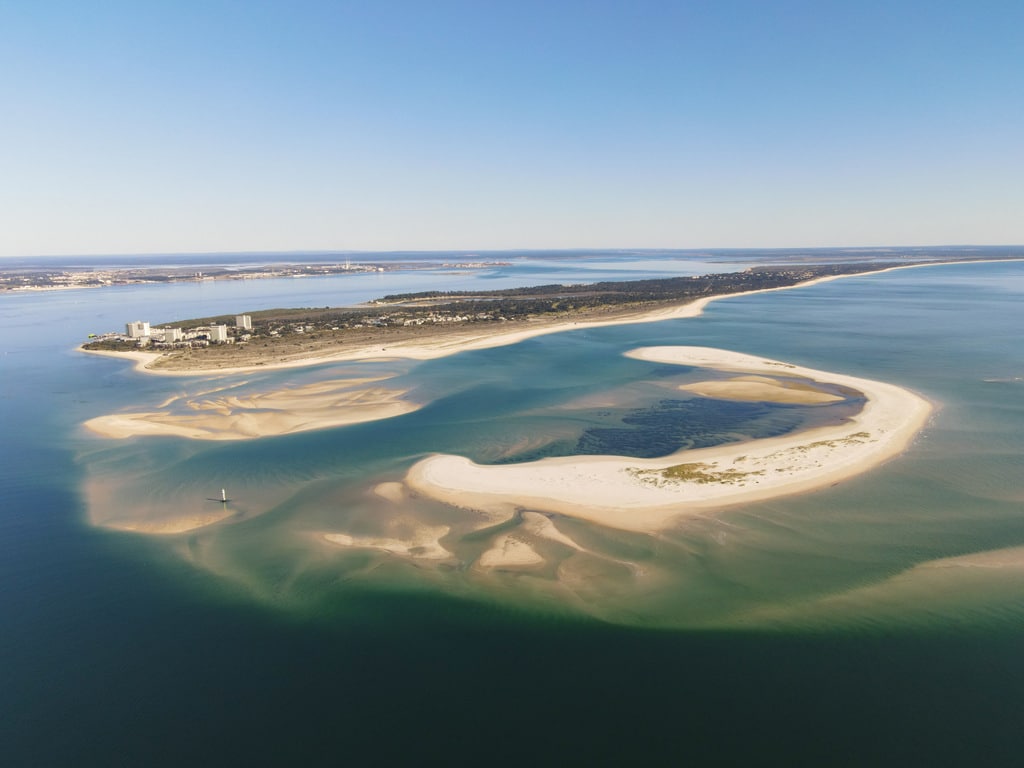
{"points": [[434, 324]]}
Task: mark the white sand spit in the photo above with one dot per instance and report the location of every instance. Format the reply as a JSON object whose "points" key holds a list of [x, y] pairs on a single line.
{"points": [[649, 494]]}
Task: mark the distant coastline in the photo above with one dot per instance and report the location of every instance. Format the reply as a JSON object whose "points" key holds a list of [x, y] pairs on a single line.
{"points": [[29, 279]]}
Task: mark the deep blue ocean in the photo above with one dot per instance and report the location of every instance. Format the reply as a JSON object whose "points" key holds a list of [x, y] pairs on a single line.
{"points": [[843, 627]]}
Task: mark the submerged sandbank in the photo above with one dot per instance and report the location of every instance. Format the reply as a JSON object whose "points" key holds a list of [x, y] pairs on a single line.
{"points": [[425, 543], [314, 406], [950, 587], [171, 526], [647, 495]]}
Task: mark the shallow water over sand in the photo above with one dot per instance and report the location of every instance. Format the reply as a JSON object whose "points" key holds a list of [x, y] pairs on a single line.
{"points": [[860, 625], [304, 505]]}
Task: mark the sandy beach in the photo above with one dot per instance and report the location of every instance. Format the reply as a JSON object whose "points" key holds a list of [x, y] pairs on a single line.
{"points": [[647, 495]]}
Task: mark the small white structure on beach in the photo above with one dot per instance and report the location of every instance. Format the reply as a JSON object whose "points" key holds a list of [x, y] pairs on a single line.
{"points": [[218, 333], [137, 330], [243, 321]]}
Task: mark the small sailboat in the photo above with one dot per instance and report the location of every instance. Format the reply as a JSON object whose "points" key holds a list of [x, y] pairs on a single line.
{"points": [[223, 497]]}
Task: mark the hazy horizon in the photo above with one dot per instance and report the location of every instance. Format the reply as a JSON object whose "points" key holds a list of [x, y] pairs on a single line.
{"points": [[510, 250], [168, 128]]}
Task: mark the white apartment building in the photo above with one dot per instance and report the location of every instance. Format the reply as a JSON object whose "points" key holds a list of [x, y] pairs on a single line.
{"points": [[243, 321], [137, 330], [218, 333]]}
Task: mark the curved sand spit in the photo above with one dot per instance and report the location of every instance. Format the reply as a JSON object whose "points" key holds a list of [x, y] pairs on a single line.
{"points": [[648, 494]]}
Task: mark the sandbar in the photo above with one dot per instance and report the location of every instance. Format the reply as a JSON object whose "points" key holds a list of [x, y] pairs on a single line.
{"points": [[1009, 558], [425, 543], [393, 492], [762, 389], [648, 495], [509, 552], [314, 406], [170, 526]]}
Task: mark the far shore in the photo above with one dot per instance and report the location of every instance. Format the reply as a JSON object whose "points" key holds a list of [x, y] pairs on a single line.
{"points": [[454, 342], [648, 495]]}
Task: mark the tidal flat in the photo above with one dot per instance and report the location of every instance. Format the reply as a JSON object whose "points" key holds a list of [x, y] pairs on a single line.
{"points": [[568, 473], [888, 604]]}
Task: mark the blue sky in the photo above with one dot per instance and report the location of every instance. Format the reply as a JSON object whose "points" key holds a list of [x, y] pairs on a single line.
{"points": [[134, 127]]}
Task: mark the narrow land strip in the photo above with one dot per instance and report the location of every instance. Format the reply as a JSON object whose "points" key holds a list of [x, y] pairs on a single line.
{"points": [[427, 342], [419, 342]]}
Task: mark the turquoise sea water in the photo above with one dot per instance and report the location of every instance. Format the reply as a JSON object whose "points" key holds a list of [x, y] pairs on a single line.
{"points": [[816, 629]]}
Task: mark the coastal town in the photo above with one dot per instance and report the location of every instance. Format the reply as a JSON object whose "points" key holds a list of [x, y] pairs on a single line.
{"points": [[139, 334], [272, 327], [37, 278]]}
